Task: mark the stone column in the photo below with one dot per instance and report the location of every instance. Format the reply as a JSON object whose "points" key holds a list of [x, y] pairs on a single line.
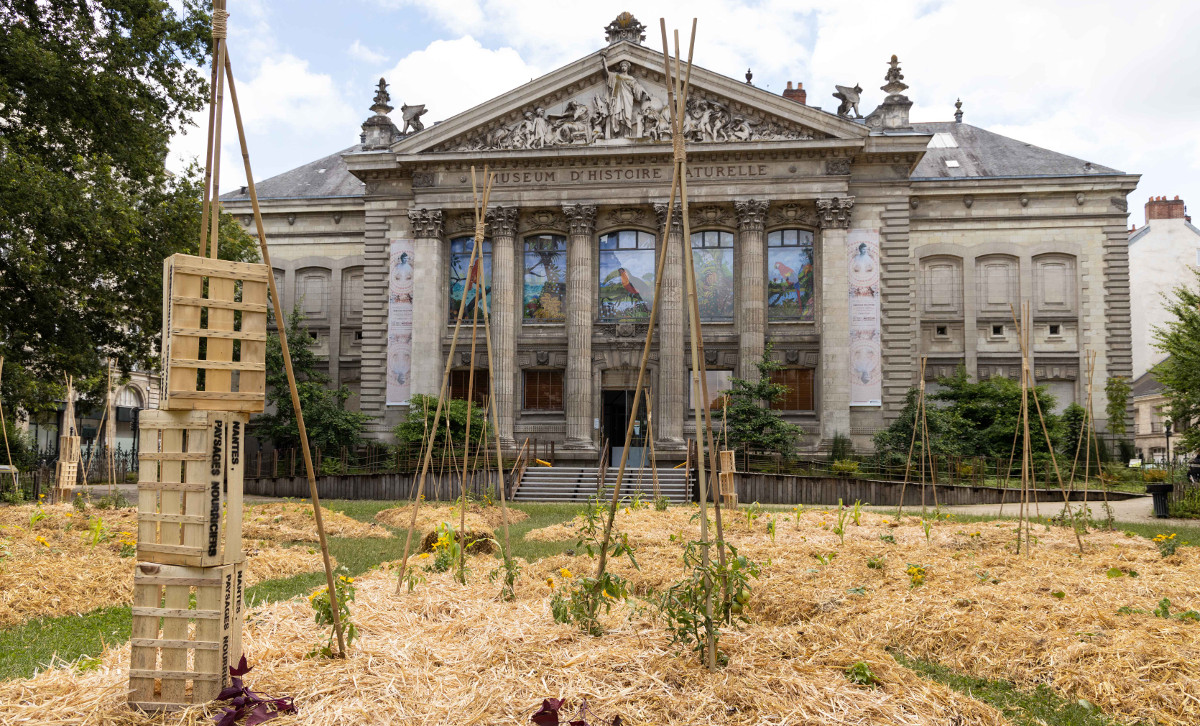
{"points": [[833, 216], [503, 226], [581, 300], [429, 301], [752, 287], [672, 369]]}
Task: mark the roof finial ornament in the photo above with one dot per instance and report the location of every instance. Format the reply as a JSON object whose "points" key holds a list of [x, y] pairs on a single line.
{"points": [[749, 77], [625, 27], [958, 111], [893, 112], [893, 79], [382, 97]]}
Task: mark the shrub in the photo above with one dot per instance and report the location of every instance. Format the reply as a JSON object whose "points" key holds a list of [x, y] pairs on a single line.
{"points": [[844, 467], [840, 448], [1187, 506], [1154, 476]]}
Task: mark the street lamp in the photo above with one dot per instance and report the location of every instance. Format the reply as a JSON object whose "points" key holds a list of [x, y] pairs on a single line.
{"points": [[1167, 431]]}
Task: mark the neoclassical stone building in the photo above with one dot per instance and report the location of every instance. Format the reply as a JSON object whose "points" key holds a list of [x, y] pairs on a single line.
{"points": [[853, 246]]}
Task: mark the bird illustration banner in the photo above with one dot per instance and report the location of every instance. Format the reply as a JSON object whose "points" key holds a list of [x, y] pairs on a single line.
{"points": [[400, 322], [866, 348]]}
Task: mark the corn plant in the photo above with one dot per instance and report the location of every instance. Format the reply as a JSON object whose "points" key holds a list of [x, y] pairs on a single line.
{"points": [[771, 529], [840, 529], [857, 512], [36, 516], [926, 525], [97, 532]]}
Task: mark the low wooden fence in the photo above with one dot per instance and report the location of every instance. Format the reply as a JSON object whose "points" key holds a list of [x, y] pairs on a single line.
{"points": [[792, 489], [384, 487]]}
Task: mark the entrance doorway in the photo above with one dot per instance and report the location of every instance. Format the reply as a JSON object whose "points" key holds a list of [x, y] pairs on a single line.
{"points": [[614, 419]]}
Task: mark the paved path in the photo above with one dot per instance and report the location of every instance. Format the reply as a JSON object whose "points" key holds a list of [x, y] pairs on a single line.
{"points": [[1138, 509]]}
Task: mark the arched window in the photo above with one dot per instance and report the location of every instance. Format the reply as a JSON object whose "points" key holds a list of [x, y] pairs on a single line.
{"points": [[790, 275], [626, 275], [545, 287], [460, 256], [712, 259]]}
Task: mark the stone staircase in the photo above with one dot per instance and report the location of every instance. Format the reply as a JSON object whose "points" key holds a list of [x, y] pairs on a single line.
{"points": [[578, 484]]}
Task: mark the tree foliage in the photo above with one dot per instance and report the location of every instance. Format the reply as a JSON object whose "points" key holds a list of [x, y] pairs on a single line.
{"points": [[91, 92], [968, 419], [1180, 372], [421, 410], [750, 421], [328, 423], [1117, 390]]}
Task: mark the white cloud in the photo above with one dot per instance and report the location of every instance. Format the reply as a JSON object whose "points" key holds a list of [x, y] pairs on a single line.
{"points": [[360, 52], [451, 76]]}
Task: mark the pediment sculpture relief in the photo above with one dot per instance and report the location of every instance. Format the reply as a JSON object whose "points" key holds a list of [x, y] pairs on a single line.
{"points": [[628, 108]]}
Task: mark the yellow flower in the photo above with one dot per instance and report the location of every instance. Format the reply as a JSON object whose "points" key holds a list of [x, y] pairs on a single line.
{"points": [[423, 555], [565, 572], [42, 541], [550, 582], [627, 510], [885, 520], [608, 595]]}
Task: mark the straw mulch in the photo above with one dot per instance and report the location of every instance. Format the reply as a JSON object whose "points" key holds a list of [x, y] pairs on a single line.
{"points": [[294, 522], [62, 573], [1048, 618], [429, 516], [452, 655]]}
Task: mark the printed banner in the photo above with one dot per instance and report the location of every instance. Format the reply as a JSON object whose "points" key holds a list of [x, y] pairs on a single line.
{"points": [[400, 320], [866, 348]]}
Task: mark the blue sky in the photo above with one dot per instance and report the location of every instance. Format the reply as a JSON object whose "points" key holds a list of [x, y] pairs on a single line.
{"points": [[1112, 82]]}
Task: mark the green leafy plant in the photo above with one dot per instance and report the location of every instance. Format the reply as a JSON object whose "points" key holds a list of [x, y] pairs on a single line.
{"points": [[798, 510], [859, 673], [1154, 476], [1115, 572], [753, 512], [750, 422], [927, 525], [1162, 611], [582, 600], [323, 613], [508, 572], [916, 575], [1167, 543], [844, 467], [771, 529], [824, 559], [685, 605], [876, 563], [860, 591], [412, 578], [890, 539], [115, 500], [856, 513], [79, 503], [97, 532], [842, 516], [661, 502], [36, 516]]}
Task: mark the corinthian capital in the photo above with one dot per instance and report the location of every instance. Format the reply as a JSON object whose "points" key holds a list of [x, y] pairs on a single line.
{"points": [[751, 215], [581, 218], [503, 221], [660, 211], [426, 222], [834, 213]]}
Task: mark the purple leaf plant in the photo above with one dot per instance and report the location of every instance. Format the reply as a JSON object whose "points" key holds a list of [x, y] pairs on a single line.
{"points": [[244, 703]]}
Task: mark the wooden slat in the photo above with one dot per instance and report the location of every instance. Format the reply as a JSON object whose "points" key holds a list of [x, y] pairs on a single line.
{"points": [[173, 675], [177, 518], [198, 332], [177, 613], [218, 365], [155, 643], [215, 396], [181, 379], [169, 456], [210, 267], [162, 486], [221, 304]]}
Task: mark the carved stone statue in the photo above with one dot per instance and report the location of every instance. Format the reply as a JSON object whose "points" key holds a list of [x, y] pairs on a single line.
{"points": [[849, 98], [625, 96], [412, 117]]}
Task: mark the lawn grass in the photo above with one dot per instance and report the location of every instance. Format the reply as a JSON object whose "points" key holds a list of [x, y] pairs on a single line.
{"points": [[1040, 707], [33, 645]]}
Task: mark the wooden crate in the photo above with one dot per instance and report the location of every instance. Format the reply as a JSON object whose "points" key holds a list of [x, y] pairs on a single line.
{"points": [[727, 485], [727, 461], [214, 335], [190, 478], [68, 448], [187, 631]]}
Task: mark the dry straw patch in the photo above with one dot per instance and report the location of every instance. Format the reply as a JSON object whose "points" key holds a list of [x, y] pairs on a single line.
{"points": [[983, 609], [294, 522], [429, 516], [63, 574], [453, 655]]}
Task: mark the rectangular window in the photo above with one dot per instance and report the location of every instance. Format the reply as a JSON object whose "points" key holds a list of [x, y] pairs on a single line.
{"points": [[1055, 330], [712, 260], [790, 275], [460, 382], [799, 383], [543, 391], [460, 254], [998, 331], [626, 275], [718, 385], [545, 278], [943, 331]]}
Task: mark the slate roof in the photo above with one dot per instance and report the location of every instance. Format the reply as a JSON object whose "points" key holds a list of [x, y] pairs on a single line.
{"points": [[324, 178], [1146, 385], [983, 154]]}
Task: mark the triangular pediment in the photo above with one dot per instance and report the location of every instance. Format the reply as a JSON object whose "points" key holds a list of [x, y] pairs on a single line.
{"points": [[617, 97]]}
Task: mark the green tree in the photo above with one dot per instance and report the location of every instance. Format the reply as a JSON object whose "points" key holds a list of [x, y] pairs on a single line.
{"points": [[1074, 417], [943, 423], [1117, 390], [421, 410], [91, 92], [751, 422], [1180, 372], [329, 424]]}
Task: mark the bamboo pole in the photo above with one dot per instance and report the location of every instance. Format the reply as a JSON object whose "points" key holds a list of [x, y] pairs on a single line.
{"points": [[221, 51], [473, 275], [4, 430], [281, 326], [650, 438], [913, 440], [476, 248]]}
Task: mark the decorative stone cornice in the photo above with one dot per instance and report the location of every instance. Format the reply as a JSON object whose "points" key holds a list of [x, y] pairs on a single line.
{"points": [[502, 221], [426, 222], [751, 214], [793, 213], [834, 213], [660, 211], [543, 219], [581, 218]]}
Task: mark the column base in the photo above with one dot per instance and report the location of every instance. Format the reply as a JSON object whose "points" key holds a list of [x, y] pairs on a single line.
{"points": [[579, 445], [670, 445]]}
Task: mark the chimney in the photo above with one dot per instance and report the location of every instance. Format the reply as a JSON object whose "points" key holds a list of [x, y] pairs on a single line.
{"points": [[797, 94], [1163, 208]]}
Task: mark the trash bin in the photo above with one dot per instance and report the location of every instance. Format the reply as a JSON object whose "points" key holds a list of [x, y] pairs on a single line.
{"points": [[1159, 492]]}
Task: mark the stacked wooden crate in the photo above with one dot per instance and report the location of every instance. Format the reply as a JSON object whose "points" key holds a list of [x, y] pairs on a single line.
{"points": [[727, 482], [188, 586]]}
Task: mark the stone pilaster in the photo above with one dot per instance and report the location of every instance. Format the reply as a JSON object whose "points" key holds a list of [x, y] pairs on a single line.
{"points": [[429, 300], [672, 370], [752, 287], [833, 216], [502, 222], [581, 219]]}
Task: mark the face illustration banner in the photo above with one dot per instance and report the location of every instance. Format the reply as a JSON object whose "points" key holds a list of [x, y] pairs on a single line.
{"points": [[400, 319], [866, 349]]}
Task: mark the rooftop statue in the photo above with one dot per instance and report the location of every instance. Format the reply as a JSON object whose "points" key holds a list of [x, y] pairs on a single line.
{"points": [[412, 117], [849, 98]]}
